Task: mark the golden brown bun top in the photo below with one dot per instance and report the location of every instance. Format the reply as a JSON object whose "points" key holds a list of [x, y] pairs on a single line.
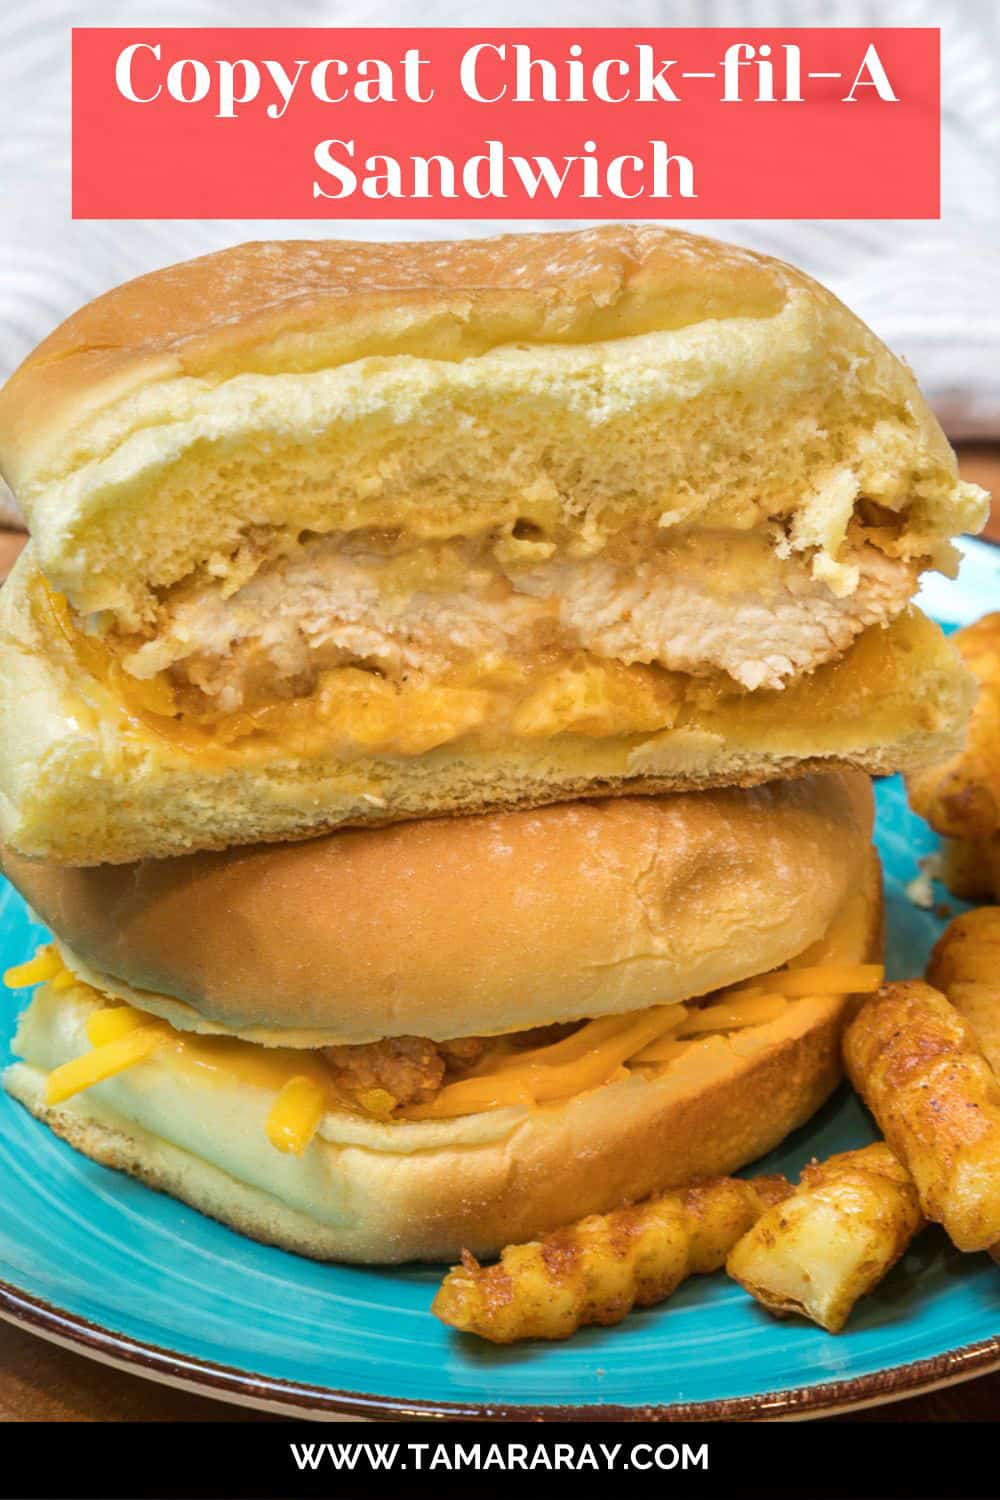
{"points": [[484, 924], [294, 306], [330, 385], [300, 305]]}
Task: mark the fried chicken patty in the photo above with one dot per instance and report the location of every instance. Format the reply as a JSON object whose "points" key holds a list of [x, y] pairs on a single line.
{"points": [[412, 1069], [698, 602], [409, 1068]]}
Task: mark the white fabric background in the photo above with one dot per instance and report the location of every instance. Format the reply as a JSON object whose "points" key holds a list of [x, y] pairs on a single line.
{"points": [[930, 289]]}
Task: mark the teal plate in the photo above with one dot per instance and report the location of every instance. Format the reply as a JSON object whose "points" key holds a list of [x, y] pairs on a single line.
{"points": [[96, 1261]]}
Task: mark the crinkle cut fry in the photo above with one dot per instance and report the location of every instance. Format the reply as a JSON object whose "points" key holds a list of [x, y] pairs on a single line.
{"points": [[597, 1270], [965, 966], [917, 1064], [829, 1244], [972, 868], [961, 796]]}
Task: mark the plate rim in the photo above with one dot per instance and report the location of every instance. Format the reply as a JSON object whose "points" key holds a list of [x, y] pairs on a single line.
{"points": [[265, 1392]]}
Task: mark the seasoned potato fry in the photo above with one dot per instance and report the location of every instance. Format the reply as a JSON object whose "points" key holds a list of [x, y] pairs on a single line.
{"points": [[916, 1063], [850, 1219], [965, 966], [960, 798], [597, 1270], [971, 868]]}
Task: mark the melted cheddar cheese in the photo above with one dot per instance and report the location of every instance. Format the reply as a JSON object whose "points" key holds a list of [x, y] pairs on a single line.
{"points": [[359, 712], [304, 1086], [104, 1062], [296, 1114]]}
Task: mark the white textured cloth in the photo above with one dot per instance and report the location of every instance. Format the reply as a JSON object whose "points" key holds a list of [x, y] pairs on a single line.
{"points": [[930, 289]]}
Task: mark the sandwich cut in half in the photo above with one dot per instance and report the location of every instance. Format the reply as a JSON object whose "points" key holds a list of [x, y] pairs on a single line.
{"points": [[331, 534], [393, 1044]]}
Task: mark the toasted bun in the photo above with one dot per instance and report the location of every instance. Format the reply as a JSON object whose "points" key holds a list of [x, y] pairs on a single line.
{"points": [[478, 925], [618, 381], [373, 1192], [83, 782], [331, 385]]}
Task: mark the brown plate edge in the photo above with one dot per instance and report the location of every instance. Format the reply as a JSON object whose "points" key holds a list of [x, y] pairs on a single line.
{"points": [[229, 1384]]}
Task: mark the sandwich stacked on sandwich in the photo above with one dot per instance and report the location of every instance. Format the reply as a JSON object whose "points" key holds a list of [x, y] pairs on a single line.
{"points": [[602, 544]]}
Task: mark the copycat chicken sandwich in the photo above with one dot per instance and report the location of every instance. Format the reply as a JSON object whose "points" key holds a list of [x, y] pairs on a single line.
{"points": [[335, 534], [452, 1034]]}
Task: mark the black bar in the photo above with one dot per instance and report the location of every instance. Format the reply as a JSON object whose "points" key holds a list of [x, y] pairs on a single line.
{"points": [[268, 1460]]}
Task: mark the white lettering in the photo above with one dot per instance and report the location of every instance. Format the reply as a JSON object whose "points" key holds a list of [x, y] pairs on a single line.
{"points": [[653, 85], [228, 96], [422, 177], [123, 73], [662, 162], [877, 78], [468, 72], [377, 88], [201, 81], [286, 86], [344, 176]]}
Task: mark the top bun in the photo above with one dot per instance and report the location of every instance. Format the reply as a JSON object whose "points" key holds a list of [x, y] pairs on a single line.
{"points": [[477, 925], [326, 385]]}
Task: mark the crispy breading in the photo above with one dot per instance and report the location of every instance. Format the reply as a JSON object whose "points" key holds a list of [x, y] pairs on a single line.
{"points": [[817, 1252], [965, 966], [399, 1070], [597, 1270], [917, 1064], [960, 797]]}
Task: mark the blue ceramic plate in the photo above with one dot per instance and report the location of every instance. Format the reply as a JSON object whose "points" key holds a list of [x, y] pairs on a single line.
{"points": [[97, 1261]]}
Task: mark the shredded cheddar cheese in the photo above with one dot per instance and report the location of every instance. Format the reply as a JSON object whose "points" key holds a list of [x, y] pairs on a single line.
{"points": [[471, 1096], [820, 979], [46, 964], [378, 1102], [601, 1050], [112, 1022], [590, 1036], [64, 980], [295, 1115], [751, 1010], [104, 1062], [596, 1053], [664, 1051]]}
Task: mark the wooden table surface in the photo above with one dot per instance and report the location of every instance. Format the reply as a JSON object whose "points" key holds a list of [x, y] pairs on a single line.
{"points": [[42, 1382]]}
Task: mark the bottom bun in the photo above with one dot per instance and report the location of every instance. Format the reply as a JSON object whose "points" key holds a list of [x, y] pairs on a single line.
{"points": [[373, 1192]]}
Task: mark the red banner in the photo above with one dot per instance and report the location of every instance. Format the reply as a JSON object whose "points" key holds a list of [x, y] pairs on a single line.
{"points": [[400, 123]]}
